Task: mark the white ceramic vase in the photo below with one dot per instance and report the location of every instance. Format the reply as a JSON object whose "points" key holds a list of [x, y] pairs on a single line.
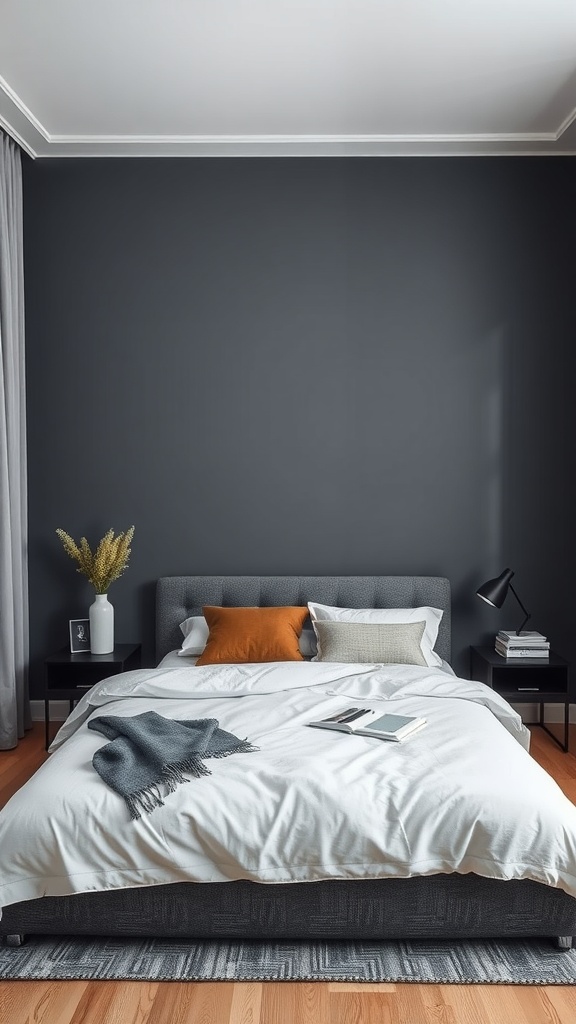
{"points": [[101, 625]]}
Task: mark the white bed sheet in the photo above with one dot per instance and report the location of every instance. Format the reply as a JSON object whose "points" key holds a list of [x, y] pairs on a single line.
{"points": [[461, 795]]}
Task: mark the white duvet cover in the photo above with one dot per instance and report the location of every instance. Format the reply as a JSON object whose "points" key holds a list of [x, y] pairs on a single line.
{"points": [[461, 795]]}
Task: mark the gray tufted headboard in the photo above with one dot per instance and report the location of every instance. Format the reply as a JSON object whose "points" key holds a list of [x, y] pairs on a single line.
{"points": [[178, 597]]}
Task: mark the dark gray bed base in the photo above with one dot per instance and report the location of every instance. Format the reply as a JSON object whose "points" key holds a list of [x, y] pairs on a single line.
{"points": [[439, 906], [436, 906]]}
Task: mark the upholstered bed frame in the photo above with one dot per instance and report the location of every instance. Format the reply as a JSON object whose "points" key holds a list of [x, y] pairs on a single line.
{"points": [[437, 906]]}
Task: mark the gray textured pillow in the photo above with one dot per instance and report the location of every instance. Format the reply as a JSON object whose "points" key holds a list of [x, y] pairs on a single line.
{"points": [[388, 643]]}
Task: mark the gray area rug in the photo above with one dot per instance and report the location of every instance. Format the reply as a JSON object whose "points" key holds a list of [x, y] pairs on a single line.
{"points": [[509, 961]]}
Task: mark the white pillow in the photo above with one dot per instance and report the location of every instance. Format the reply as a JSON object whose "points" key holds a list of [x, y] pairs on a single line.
{"points": [[195, 630], [431, 616]]}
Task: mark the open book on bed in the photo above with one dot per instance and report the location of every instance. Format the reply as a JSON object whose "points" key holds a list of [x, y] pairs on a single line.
{"points": [[364, 722]]}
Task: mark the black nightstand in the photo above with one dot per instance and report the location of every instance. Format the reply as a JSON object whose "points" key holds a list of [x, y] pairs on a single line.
{"points": [[68, 676], [526, 681]]}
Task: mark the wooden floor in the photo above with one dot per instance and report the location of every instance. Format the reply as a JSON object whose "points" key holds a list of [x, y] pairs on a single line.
{"points": [[101, 1002]]}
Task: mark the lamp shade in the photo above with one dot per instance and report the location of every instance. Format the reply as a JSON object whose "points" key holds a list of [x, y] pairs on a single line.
{"points": [[494, 591]]}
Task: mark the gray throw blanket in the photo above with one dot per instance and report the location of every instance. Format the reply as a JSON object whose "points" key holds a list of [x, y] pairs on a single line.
{"points": [[148, 752]]}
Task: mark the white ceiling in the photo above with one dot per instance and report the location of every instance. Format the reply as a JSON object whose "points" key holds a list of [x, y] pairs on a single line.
{"points": [[288, 77]]}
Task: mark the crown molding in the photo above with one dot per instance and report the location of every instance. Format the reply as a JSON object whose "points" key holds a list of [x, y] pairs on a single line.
{"points": [[299, 145], [25, 128], [20, 123], [566, 124]]}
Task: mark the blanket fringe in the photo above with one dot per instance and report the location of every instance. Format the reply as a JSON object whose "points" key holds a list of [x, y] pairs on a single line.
{"points": [[172, 773], [145, 800]]}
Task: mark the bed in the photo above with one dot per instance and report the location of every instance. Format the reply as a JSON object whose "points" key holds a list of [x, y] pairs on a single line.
{"points": [[362, 903]]}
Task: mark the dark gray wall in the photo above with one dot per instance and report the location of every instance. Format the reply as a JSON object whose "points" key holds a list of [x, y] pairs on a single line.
{"points": [[306, 365]]}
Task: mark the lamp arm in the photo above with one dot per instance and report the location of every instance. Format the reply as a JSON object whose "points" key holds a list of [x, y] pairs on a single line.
{"points": [[527, 614]]}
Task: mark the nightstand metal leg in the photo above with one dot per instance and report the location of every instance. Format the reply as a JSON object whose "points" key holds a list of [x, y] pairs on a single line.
{"points": [[563, 746]]}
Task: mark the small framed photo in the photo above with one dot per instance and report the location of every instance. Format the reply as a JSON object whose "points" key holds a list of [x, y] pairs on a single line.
{"points": [[79, 636]]}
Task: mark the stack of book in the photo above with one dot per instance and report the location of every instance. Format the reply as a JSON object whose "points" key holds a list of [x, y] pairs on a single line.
{"points": [[526, 645]]}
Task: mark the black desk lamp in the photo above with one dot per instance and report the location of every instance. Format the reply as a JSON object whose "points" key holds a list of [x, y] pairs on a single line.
{"points": [[494, 593]]}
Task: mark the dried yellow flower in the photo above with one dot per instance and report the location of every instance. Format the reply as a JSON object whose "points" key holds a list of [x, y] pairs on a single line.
{"points": [[106, 563]]}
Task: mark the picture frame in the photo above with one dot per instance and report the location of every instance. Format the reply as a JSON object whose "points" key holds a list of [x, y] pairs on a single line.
{"points": [[79, 636]]}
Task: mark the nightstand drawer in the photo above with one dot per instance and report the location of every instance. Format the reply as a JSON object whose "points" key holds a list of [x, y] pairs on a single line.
{"points": [[531, 679]]}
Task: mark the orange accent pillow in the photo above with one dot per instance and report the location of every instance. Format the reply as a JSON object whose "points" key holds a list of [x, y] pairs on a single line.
{"points": [[252, 635]]}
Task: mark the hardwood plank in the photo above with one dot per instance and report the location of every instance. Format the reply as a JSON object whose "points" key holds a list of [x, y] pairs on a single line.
{"points": [[209, 1004], [462, 1002], [433, 1005], [112, 1002], [278, 1003], [18, 765], [17, 754], [425, 1003], [172, 1004], [360, 1008], [536, 1010], [312, 1002], [508, 1004], [287, 1002], [549, 754], [246, 1003], [15, 778], [39, 1001], [561, 999]]}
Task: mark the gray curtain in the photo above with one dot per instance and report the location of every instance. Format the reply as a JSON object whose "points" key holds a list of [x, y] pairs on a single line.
{"points": [[14, 703]]}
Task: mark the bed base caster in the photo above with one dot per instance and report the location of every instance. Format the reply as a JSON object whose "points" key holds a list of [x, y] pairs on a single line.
{"points": [[14, 940], [563, 942]]}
